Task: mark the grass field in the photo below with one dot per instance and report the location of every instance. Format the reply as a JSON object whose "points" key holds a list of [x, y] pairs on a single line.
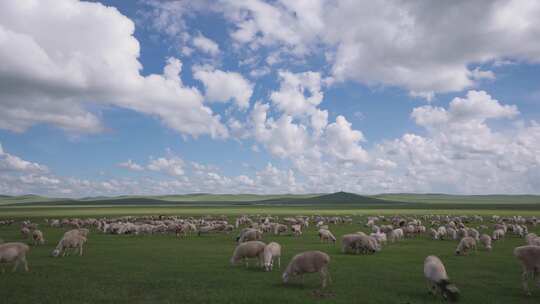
{"points": [[164, 269]]}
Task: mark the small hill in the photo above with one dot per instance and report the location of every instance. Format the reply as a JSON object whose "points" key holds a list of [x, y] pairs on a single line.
{"points": [[332, 198]]}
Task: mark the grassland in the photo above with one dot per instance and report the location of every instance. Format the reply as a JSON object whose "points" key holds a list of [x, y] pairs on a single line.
{"points": [[164, 269]]}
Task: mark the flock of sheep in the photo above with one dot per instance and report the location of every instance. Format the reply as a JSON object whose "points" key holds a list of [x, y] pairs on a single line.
{"points": [[252, 228]]}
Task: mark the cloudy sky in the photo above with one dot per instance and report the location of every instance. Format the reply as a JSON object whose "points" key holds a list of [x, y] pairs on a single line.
{"points": [[283, 96]]}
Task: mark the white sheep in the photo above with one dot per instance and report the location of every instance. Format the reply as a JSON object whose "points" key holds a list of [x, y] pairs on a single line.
{"points": [[247, 250], [486, 241], [249, 234], [326, 236], [465, 245], [530, 237], [272, 251], [396, 235], [437, 279], [498, 234], [296, 230], [380, 237], [14, 253], [434, 234], [37, 237], [442, 232], [529, 256], [71, 241], [308, 262]]}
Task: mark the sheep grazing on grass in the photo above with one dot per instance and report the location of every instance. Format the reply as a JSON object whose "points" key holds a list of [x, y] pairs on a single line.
{"points": [[249, 234], [349, 242], [380, 237], [308, 262], [37, 237], [442, 232], [248, 250], [529, 256], [465, 245], [326, 236], [486, 241], [438, 282], [434, 234], [296, 230], [498, 234], [280, 228], [14, 253], [396, 235], [452, 233], [272, 252], [359, 243], [70, 241]]}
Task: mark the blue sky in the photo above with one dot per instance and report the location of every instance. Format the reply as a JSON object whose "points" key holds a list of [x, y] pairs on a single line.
{"points": [[158, 97]]}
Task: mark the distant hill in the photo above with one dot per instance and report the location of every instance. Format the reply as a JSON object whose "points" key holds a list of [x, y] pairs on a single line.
{"points": [[400, 200], [438, 198]]}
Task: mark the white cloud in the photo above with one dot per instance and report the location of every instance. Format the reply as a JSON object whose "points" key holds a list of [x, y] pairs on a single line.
{"points": [[206, 45], [173, 166], [58, 77], [131, 165], [343, 142], [13, 163], [222, 86]]}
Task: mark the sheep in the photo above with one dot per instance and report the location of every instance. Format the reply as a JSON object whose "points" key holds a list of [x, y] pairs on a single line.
{"points": [[14, 253], [249, 234], [70, 241], [250, 249], [272, 251], [25, 232], [437, 279], [308, 262], [349, 242], [434, 234], [466, 244], [486, 241], [498, 234], [37, 236], [326, 236], [529, 256], [380, 237], [280, 228], [396, 235], [442, 232], [296, 230], [452, 233]]}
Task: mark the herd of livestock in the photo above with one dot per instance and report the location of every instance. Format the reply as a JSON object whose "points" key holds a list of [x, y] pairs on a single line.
{"points": [[384, 229]]}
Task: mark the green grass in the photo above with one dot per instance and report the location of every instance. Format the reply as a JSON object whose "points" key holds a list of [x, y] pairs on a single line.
{"points": [[163, 269]]}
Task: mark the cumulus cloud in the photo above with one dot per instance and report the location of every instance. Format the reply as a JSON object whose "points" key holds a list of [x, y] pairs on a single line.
{"points": [[222, 86], [173, 166], [131, 165], [55, 79], [206, 45], [425, 47], [13, 163]]}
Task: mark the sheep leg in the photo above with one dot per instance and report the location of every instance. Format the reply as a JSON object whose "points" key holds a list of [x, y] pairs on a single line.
{"points": [[81, 250], [25, 263], [15, 266], [525, 283], [279, 262]]}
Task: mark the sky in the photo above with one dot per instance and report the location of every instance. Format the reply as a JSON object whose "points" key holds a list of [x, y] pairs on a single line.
{"points": [[286, 96]]}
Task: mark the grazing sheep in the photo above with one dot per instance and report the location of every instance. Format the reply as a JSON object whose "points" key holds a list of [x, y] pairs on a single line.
{"points": [[486, 241], [296, 230], [442, 232], [326, 236], [452, 233], [71, 241], [308, 262], [249, 234], [280, 228], [37, 236], [272, 251], [14, 253], [247, 250], [349, 242], [437, 279], [380, 237], [434, 234], [498, 234], [465, 245], [396, 235], [529, 256]]}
